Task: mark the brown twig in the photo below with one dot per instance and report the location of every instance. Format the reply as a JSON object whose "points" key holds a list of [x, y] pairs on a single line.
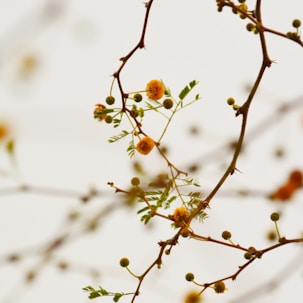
{"points": [[139, 45]]}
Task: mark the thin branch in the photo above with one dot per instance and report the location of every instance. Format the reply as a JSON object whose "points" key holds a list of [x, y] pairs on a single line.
{"points": [[124, 59]]}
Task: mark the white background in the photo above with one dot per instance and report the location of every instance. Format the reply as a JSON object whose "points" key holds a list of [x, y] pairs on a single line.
{"points": [[59, 145]]}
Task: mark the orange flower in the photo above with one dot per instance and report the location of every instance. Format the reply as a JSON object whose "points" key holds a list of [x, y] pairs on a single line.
{"points": [[145, 145], [98, 110], [155, 90], [192, 297], [181, 215], [296, 178], [28, 63], [3, 131], [284, 192], [219, 287]]}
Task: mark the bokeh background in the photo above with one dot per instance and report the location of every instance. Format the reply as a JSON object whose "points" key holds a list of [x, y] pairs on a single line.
{"points": [[62, 227]]}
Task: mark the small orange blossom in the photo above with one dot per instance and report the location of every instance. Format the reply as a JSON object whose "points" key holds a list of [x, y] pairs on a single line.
{"points": [[98, 109], [155, 90], [145, 145]]}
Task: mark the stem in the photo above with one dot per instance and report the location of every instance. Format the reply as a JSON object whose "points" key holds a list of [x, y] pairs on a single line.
{"points": [[277, 230], [169, 121], [124, 59]]}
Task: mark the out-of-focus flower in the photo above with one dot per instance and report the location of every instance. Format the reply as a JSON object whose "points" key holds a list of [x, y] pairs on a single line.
{"points": [[28, 65], [4, 131], [192, 297], [287, 190], [296, 178]]}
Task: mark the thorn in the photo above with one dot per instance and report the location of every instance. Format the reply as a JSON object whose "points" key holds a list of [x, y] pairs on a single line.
{"points": [[238, 170]]}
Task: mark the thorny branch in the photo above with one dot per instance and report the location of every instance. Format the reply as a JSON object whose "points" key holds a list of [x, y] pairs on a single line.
{"points": [[139, 45], [243, 111]]}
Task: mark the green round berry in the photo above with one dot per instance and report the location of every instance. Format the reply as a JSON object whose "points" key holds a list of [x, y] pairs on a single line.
{"points": [[241, 1], [168, 103], [138, 97], [296, 23], [189, 277], [134, 113], [252, 250], [292, 35], [250, 26], [230, 101], [247, 255], [235, 106], [243, 6], [110, 100], [124, 262], [108, 119], [135, 181], [141, 112], [274, 217], [226, 235]]}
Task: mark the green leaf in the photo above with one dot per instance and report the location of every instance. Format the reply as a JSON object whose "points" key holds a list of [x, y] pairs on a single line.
{"points": [[167, 91], [202, 216], [116, 122], [191, 181], [186, 90], [94, 294], [10, 147], [102, 112], [143, 209], [193, 83], [123, 134], [103, 291], [153, 192], [141, 112], [117, 296], [131, 150], [169, 201], [145, 219], [88, 288]]}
